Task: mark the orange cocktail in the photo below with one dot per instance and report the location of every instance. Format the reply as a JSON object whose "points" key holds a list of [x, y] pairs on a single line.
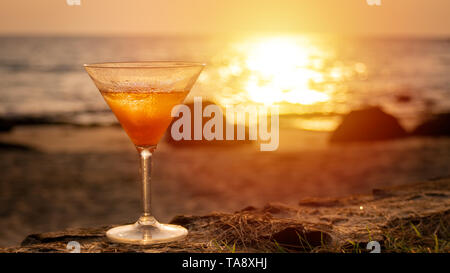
{"points": [[144, 116]]}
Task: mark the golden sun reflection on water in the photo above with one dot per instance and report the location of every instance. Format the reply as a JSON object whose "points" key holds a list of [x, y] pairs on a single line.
{"points": [[298, 73]]}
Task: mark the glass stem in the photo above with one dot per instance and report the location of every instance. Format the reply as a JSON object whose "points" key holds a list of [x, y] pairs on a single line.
{"points": [[145, 154]]}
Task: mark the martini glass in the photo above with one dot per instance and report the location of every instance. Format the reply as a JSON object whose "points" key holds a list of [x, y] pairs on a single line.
{"points": [[142, 95]]}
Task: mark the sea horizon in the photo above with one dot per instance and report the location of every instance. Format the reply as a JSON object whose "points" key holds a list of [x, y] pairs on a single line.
{"points": [[327, 75]]}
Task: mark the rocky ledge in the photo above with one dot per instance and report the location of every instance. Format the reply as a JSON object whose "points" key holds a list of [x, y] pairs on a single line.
{"points": [[413, 218]]}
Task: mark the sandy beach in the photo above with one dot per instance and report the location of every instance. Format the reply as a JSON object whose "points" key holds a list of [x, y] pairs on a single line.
{"points": [[88, 176]]}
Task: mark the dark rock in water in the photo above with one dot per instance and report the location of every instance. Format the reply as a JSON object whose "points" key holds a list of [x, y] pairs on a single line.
{"points": [[204, 141], [14, 147], [84, 118], [439, 125], [368, 124], [6, 125]]}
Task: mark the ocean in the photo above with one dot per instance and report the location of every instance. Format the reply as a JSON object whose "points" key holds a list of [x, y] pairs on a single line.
{"points": [[310, 76]]}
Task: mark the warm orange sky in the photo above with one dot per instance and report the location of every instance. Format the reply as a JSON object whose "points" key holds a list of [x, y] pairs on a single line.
{"points": [[405, 17]]}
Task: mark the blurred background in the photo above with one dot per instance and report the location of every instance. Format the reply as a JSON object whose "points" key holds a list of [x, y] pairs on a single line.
{"points": [[65, 162]]}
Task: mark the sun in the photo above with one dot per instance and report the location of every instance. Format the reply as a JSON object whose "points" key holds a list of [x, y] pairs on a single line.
{"points": [[280, 72]]}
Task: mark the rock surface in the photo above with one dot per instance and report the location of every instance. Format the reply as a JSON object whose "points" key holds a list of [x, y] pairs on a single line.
{"points": [[436, 126], [313, 225], [368, 125]]}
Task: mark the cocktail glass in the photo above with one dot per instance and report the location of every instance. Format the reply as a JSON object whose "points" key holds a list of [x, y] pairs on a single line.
{"points": [[142, 95]]}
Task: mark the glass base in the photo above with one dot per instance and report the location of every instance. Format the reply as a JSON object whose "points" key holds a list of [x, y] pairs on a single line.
{"points": [[146, 231]]}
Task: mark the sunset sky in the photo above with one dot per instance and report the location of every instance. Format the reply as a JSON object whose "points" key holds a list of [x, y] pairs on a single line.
{"points": [[393, 17]]}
